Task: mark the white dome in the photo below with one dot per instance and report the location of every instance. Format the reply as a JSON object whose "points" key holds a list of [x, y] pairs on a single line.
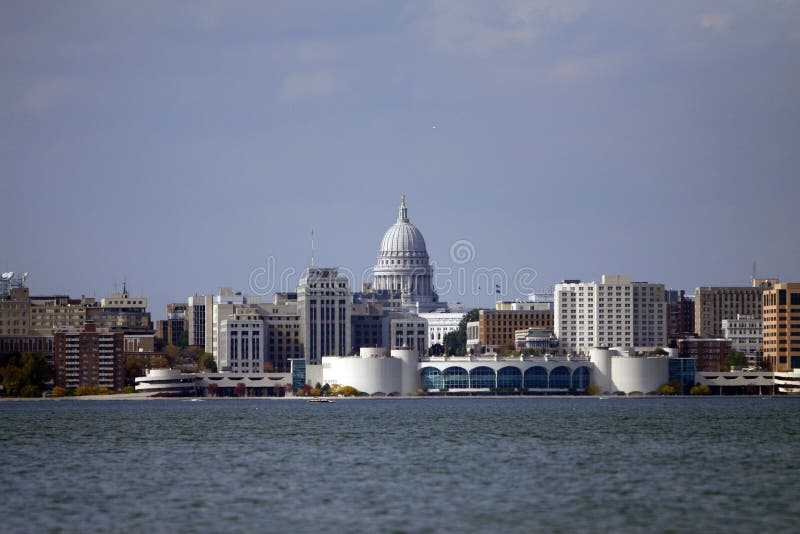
{"points": [[403, 238]]}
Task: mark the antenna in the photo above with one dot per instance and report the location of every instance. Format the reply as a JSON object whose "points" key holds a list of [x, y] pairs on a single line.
{"points": [[754, 269], [124, 284], [312, 246]]}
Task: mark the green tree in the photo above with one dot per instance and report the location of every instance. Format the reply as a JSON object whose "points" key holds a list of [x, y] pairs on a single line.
{"points": [[183, 339], [734, 358], [23, 373], [348, 391], [456, 342]]}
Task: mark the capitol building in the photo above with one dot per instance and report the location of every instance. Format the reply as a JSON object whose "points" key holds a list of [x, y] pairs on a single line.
{"points": [[404, 267]]}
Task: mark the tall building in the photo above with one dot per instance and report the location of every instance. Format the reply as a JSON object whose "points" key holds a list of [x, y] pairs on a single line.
{"points": [[405, 331], [199, 309], [680, 314], [171, 328], [324, 303], [89, 358], [781, 326], [283, 331], [242, 346], [403, 267], [613, 313], [713, 304]]}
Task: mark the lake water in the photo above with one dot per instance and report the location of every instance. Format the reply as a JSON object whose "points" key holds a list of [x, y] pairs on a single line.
{"points": [[427, 465]]}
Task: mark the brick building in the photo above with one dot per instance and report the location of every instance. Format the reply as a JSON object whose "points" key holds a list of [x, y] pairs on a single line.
{"points": [[89, 358]]}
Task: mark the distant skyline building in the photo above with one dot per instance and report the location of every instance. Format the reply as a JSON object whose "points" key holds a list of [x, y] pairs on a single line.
{"points": [[89, 357], [712, 304], [745, 335]]}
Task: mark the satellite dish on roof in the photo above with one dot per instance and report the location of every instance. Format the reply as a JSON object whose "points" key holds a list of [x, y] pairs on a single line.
{"points": [[7, 276]]}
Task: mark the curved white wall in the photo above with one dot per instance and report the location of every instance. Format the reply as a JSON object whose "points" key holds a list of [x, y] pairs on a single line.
{"points": [[602, 378], [370, 375], [639, 374], [409, 370]]}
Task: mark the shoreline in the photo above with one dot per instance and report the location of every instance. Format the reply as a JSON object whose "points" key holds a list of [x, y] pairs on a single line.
{"points": [[150, 397]]}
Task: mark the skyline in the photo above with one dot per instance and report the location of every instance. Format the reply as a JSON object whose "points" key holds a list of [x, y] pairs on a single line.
{"points": [[182, 146]]}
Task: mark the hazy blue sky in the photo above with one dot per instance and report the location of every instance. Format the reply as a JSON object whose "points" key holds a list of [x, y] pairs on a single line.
{"points": [[184, 143]]}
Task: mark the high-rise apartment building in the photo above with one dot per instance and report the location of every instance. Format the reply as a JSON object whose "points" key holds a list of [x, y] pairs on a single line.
{"points": [[324, 304], [89, 358], [781, 326], [613, 313], [680, 314], [199, 309]]}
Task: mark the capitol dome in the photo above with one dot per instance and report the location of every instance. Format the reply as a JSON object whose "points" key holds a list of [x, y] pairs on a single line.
{"points": [[403, 239], [403, 267]]}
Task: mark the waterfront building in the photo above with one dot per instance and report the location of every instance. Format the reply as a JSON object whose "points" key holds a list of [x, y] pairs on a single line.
{"points": [[746, 336], [635, 370], [324, 303], [283, 330], [50, 313], [781, 326], [121, 312], [89, 358], [709, 353], [440, 323], [714, 304], [403, 267], [614, 313], [167, 382]]}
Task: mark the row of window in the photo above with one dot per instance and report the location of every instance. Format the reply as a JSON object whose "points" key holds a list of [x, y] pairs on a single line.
{"points": [[505, 378]]}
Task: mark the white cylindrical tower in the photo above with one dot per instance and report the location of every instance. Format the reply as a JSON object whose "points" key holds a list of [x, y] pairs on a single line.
{"points": [[602, 377], [409, 370]]}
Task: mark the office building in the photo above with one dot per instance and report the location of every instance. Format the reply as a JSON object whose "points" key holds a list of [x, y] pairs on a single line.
{"points": [[714, 304], [781, 327], [324, 303], [745, 335]]}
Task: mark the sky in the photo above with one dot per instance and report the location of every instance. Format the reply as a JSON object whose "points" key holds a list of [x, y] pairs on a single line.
{"points": [[188, 146]]}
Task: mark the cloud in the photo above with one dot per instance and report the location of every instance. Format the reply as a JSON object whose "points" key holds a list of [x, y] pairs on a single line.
{"points": [[715, 21], [480, 27], [310, 85], [46, 92], [582, 68]]}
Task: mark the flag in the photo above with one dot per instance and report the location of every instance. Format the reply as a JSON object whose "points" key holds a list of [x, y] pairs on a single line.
{"points": [[497, 289]]}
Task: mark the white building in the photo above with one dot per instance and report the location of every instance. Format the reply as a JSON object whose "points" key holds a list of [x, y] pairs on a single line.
{"points": [[242, 344], [621, 370], [324, 303], [745, 335], [615, 312], [403, 266], [440, 324]]}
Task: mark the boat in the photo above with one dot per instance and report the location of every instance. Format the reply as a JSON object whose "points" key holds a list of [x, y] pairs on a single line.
{"points": [[320, 399]]}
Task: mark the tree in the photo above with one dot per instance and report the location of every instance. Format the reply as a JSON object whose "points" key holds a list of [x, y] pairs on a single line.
{"points": [[700, 389], [183, 339], [58, 391], [240, 390], [437, 349], [667, 389], [734, 358], [23, 373], [348, 391], [456, 342]]}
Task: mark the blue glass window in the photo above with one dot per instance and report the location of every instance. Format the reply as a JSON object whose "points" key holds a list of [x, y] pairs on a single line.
{"points": [[482, 377], [509, 377], [580, 378], [456, 377], [431, 378], [559, 378], [536, 377]]}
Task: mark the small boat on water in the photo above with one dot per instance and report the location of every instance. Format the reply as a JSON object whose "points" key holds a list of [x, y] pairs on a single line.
{"points": [[320, 399]]}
